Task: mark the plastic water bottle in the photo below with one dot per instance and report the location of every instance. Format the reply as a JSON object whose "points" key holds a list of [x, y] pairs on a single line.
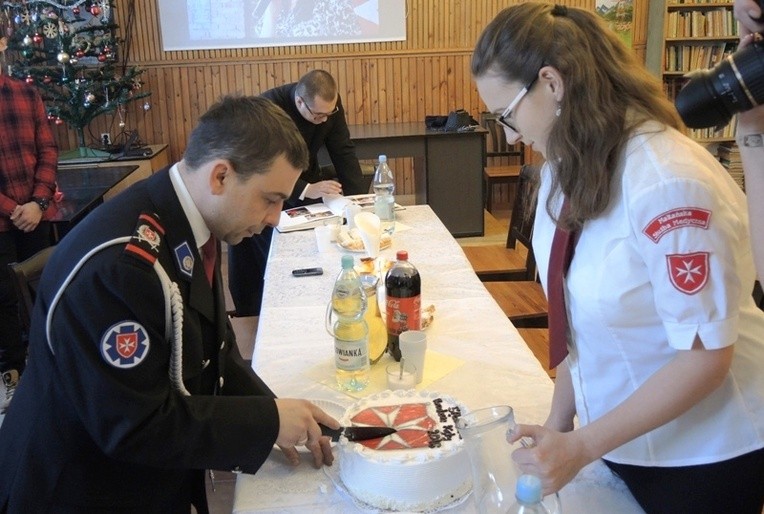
{"points": [[403, 298], [384, 200], [351, 334], [528, 497]]}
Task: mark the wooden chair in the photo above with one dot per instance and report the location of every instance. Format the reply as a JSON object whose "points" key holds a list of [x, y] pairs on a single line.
{"points": [[496, 166], [25, 277], [523, 301], [537, 340], [507, 261]]}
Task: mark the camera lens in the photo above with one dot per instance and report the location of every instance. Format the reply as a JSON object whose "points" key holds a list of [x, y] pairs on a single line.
{"points": [[711, 97]]}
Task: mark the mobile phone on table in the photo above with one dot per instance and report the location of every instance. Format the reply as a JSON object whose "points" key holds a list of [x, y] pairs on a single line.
{"points": [[307, 272]]}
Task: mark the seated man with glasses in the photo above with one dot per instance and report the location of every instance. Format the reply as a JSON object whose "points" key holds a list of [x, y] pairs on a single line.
{"points": [[316, 108]]}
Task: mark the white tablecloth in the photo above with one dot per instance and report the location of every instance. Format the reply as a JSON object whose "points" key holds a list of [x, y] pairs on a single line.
{"points": [[498, 368]]}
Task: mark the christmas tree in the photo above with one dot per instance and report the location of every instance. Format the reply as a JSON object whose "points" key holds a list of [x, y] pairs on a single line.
{"points": [[68, 50]]}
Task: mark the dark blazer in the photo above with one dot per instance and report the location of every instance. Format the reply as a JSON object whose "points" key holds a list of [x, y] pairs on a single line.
{"points": [[88, 431], [333, 134]]}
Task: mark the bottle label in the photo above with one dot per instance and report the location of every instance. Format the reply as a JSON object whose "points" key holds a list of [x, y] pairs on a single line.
{"points": [[404, 314], [351, 355]]}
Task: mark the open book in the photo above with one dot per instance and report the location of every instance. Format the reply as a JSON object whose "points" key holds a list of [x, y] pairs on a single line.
{"points": [[328, 211]]}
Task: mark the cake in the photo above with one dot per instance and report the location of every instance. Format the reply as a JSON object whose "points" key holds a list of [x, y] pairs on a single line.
{"points": [[423, 466]]}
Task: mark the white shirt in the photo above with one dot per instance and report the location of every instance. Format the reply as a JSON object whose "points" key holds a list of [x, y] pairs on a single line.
{"points": [[198, 226], [669, 259]]}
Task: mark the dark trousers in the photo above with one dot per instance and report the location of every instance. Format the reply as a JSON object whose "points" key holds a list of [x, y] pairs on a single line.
{"points": [[15, 246], [246, 272], [734, 485]]}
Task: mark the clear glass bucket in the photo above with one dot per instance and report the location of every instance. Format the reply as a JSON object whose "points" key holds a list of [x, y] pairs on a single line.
{"points": [[494, 473]]}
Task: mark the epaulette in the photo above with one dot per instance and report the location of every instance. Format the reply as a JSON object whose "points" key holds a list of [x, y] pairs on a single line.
{"points": [[146, 239]]}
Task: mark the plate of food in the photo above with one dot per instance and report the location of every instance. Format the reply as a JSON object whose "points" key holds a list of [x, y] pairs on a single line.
{"points": [[351, 240]]}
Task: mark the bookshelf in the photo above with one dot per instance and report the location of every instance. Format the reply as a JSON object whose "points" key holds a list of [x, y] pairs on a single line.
{"points": [[697, 34]]}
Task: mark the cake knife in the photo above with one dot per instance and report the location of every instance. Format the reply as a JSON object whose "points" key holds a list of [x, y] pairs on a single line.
{"points": [[356, 433]]}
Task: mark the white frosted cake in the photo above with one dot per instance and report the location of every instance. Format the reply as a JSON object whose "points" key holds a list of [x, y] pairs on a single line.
{"points": [[423, 466]]}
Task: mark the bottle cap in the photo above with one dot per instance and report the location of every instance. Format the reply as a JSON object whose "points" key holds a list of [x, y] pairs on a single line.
{"points": [[528, 489], [402, 255], [383, 158], [347, 261]]}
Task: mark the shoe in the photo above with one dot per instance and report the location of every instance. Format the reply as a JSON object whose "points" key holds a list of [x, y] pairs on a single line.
{"points": [[10, 380]]}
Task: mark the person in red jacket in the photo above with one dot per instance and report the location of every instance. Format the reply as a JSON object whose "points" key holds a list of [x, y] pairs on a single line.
{"points": [[28, 159]]}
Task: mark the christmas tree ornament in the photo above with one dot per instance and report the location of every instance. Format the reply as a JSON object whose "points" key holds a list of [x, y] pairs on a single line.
{"points": [[59, 121], [146, 106], [90, 97], [73, 60], [80, 53], [9, 31], [29, 80], [27, 53], [46, 79], [75, 10], [27, 40], [35, 16], [37, 38], [102, 57], [18, 19], [50, 30], [63, 57], [122, 124], [95, 10]]}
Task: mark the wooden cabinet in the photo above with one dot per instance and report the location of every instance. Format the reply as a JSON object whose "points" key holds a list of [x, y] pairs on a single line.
{"points": [[697, 35]]}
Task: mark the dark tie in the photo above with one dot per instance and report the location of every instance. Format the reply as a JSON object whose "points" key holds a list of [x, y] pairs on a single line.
{"points": [[563, 245], [209, 256]]}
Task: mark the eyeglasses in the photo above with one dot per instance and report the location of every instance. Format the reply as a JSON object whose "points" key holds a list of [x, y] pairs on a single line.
{"points": [[319, 114], [503, 118]]}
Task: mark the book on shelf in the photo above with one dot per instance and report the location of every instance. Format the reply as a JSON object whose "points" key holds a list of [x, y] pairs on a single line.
{"points": [[729, 155], [329, 210]]}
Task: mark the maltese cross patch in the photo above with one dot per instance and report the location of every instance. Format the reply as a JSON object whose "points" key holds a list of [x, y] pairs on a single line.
{"points": [[125, 344], [688, 271]]}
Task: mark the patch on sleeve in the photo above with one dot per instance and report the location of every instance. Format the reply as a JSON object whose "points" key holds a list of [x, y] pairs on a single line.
{"points": [[676, 218], [144, 244], [125, 344], [184, 258], [688, 271]]}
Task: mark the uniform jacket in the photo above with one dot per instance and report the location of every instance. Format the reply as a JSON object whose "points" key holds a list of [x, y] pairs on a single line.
{"points": [[333, 134], [96, 424]]}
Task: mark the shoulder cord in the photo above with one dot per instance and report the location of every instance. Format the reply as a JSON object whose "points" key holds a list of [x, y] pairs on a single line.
{"points": [[173, 312]]}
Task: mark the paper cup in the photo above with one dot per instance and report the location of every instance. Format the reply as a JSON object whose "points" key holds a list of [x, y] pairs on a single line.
{"points": [[370, 228], [413, 344]]}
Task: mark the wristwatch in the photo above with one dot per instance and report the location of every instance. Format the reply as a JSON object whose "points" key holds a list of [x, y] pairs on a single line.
{"points": [[753, 140], [42, 202]]}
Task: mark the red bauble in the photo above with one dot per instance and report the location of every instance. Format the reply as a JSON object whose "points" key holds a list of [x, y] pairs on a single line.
{"points": [[95, 10], [80, 53], [37, 38], [75, 10], [29, 79], [102, 57], [59, 121], [46, 79]]}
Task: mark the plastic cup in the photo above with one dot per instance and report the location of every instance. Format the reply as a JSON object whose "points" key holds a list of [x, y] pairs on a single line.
{"points": [[325, 236], [370, 228], [413, 345], [398, 378]]}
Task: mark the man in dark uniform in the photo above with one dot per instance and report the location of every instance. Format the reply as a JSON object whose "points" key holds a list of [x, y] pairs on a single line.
{"points": [[135, 384], [316, 108]]}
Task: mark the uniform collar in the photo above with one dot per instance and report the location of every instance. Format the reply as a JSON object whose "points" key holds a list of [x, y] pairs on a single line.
{"points": [[198, 227]]}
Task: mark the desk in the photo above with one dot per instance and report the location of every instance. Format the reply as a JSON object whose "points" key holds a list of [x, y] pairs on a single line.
{"points": [[146, 165], [84, 189], [448, 165], [498, 368]]}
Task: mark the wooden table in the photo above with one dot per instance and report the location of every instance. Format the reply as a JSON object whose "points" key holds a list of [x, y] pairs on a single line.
{"points": [[294, 355], [448, 168], [84, 189]]}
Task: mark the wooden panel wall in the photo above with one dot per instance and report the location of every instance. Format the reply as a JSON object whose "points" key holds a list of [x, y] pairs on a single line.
{"points": [[379, 82]]}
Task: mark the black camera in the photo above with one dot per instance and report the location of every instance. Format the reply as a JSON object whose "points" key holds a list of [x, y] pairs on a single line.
{"points": [[736, 84]]}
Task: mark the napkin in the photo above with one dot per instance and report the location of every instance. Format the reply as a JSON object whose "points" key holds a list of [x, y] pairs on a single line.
{"points": [[370, 228]]}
